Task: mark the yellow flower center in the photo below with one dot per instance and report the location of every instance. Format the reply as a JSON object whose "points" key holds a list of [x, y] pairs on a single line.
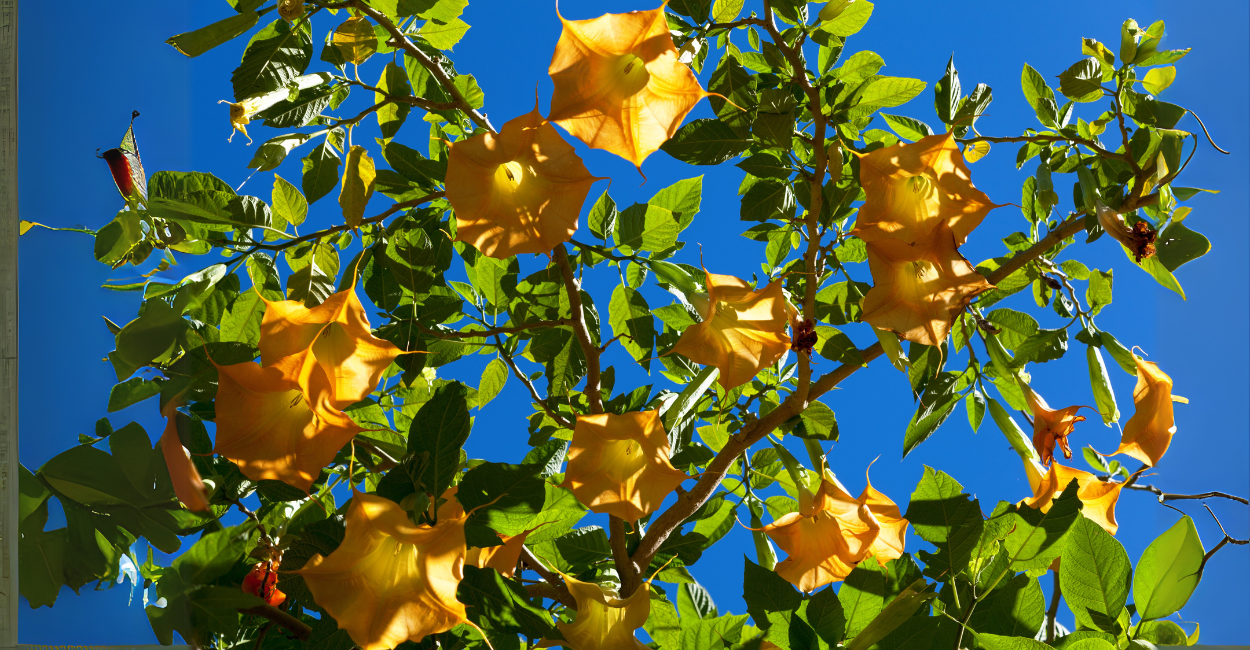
{"points": [[920, 185], [510, 174], [630, 73]]}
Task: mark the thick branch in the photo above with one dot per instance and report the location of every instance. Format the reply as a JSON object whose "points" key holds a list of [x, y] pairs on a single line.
{"points": [[536, 565], [296, 627], [592, 352], [625, 566], [398, 39], [513, 329]]}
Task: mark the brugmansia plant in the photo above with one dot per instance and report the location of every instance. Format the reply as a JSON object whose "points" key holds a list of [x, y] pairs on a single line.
{"points": [[365, 524]]}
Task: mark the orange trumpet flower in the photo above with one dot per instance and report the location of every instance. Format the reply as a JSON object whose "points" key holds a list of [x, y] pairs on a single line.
{"points": [[516, 192], [619, 85], [502, 558], [604, 622], [1149, 432], [618, 464], [1051, 426], [337, 332], [188, 485], [919, 291], [913, 189], [279, 422], [833, 531], [391, 580], [743, 330], [1097, 497]]}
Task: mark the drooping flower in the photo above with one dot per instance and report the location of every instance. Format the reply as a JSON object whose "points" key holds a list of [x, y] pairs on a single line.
{"points": [[1139, 238], [337, 332], [391, 580], [279, 422], [1149, 432], [502, 558], [912, 189], [1097, 497], [618, 464], [743, 330], [919, 291], [619, 83], [516, 192], [604, 622], [1051, 426], [262, 581], [241, 112], [833, 531], [188, 485]]}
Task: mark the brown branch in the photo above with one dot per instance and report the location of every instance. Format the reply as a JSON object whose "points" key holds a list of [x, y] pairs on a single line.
{"points": [[412, 203], [737, 23], [625, 567], [516, 371], [400, 40], [423, 104], [296, 627], [536, 565], [1228, 539], [1164, 497], [593, 393], [450, 336], [1041, 137]]}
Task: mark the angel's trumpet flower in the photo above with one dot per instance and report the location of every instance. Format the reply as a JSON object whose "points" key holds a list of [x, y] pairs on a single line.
{"points": [[619, 83], [337, 332], [913, 189], [743, 330], [919, 291], [391, 580], [1149, 432], [1051, 426], [618, 464], [188, 485], [516, 192], [604, 622], [1097, 497], [1139, 238]]}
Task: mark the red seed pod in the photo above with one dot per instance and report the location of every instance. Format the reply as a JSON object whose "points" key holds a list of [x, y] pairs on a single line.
{"points": [[262, 581]]}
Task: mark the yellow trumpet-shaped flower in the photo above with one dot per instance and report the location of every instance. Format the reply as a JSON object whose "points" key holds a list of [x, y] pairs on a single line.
{"points": [[618, 464], [188, 485], [604, 622], [619, 83], [279, 422], [919, 291], [516, 192], [912, 189], [1097, 497], [743, 330], [833, 532], [241, 112], [1051, 426], [391, 580], [1149, 432], [337, 332]]}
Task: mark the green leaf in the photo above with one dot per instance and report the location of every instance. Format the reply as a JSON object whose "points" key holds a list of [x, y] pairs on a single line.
{"points": [[705, 142], [1164, 633], [507, 497], [1014, 327], [1098, 294], [444, 36], [765, 165], [1168, 571], [975, 403], [321, 171], [1040, 537], [1040, 96], [862, 596], [817, 422], [1100, 382], [501, 606], [1156, 268], [907, 128], [209, 558], [998, 642], [737, 86], [945, 516], [276, 55], [494, 377], [413, 166], [1177, 245], [893, 616], [1083, 81], [132, 391], [150, 336], [946, 93], [440, 428], [768, 199], [646, 227], [858, 67], [602, 217], [1157, 80], [393, 82], [1095, 575], [851, 20], [938, 401], [891, 91], [1015, 435], [631, 319], [206, 38], [764, 591]]}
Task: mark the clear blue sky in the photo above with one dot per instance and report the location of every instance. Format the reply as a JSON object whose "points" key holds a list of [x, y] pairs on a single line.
{"points": [[77, 97]]}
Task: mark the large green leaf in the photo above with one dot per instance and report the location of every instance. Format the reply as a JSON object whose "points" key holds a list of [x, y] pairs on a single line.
{"points": [[276, 55], [631, 320], [1095, 575], [506, 497], [501, 606], [321, 171], [705, 142], [938, 401], [440, 428], [1168, 571], [206, 38], [945, 516], [1039, 537]]}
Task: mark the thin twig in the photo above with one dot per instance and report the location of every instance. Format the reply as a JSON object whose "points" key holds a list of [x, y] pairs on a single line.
{"points": [[536, 565], [513, 329], [1055, 595], [1042, 137], [411, 203], [507, 358], [298, 629], [1164, 497]]}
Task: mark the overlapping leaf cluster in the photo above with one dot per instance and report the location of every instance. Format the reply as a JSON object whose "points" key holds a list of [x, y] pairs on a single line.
{"points": [[802, 131]]}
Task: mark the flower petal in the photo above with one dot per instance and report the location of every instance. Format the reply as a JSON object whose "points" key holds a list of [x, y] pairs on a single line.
{"points": [[618, 464]]}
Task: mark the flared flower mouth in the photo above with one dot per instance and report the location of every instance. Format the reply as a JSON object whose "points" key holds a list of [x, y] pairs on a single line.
{"points": [[1148, 434], [618, 464]]}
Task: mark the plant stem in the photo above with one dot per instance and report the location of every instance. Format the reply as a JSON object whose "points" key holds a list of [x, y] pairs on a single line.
{"points": [[592, 352], [1055, 595]]}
